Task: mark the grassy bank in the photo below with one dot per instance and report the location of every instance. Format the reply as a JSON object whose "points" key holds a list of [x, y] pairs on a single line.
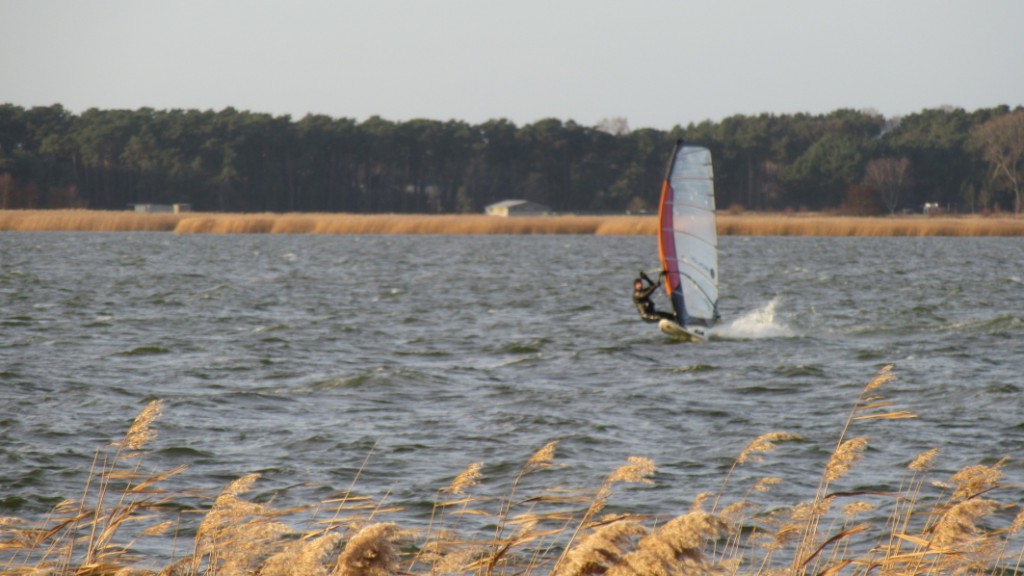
{"points": [[750, 224], [912, 523]]}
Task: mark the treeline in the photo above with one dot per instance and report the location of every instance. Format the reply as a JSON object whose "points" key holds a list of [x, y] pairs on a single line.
{"points": [[236, 161]]}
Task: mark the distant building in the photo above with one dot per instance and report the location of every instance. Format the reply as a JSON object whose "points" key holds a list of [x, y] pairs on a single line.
{"points": [[508, 208], [175, 208]]}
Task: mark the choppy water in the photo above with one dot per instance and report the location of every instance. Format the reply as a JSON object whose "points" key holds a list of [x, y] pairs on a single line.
{"points": [[296, 356]]}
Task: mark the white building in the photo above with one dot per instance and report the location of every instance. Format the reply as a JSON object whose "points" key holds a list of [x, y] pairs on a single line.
{"points": [[175, 208]]}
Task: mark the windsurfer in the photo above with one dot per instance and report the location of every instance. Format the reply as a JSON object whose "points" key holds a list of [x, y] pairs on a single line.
{"points": [[643, 287]]}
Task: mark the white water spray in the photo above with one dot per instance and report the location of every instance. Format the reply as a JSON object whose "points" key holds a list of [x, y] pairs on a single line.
{"points": [[759, 323]]}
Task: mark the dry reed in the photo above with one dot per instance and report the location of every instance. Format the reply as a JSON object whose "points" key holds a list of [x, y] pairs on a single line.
{"points": [[759, 224], [85, 221], [745, 224], [970, 523]]}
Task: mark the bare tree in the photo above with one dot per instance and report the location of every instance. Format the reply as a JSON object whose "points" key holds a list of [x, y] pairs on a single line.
{"points": [[617, 126], [891, 177], [1001, 142]]}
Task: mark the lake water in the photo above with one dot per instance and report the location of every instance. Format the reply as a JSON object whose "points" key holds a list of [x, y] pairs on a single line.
{"points": [[308, 358]]}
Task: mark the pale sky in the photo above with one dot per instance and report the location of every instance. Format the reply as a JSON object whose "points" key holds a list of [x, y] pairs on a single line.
{"points": [[656, 63]]}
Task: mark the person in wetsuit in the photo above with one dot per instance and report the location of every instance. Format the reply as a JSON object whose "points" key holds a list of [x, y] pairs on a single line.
{"points": [[643, 287]]}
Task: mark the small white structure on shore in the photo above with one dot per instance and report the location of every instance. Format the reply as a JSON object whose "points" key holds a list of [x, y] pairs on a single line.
{"points": [[508, 208], [175, 208]]}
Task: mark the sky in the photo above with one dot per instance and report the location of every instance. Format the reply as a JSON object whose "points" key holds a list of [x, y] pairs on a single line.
{"points": [[655, 63]]}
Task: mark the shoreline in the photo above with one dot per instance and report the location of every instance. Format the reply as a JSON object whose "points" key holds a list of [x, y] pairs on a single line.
{"points": [[744, 224]]}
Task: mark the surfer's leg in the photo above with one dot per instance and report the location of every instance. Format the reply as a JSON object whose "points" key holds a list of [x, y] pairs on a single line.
{"points": [[652, 316]]}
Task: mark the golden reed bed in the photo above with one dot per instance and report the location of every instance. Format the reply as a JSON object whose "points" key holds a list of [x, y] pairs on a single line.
{"points": [[917, 522], [749, 224]]}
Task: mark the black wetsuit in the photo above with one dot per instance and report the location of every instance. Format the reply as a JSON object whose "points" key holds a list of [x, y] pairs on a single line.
{"points": [[644, 305]]}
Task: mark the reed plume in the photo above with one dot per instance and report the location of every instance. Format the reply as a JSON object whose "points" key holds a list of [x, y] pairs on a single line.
{"points": [[601, 549], [676, 548], [764, 443], [445, 553], [469, 477], [765, 484], [540, 460], [868, 406], [923, 461], [236, 535], [372, 551], [636, 469], [752, 452], [958, 528], [306, 557], [844, 457], [974, 480], [87, 532], [142, 431], [438, 548]]}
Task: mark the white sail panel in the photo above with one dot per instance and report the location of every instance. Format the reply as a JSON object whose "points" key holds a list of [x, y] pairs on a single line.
{"points": [[692, 178], [689, 238]]}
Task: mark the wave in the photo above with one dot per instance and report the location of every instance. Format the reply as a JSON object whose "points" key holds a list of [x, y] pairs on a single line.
{"points": [[999, 324], [694, 368], [145, 351]]}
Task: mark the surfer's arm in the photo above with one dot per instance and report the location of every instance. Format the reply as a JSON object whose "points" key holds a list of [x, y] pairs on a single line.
{"points": [[653, 284]]}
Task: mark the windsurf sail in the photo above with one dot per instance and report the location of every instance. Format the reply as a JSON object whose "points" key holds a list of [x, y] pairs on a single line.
{"points": [[688, 237]]}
